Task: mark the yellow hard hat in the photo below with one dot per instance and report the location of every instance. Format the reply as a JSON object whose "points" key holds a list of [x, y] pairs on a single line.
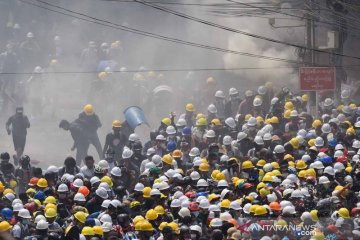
{"points": [[260, 186], [167, 159], [162, 225], [13, 183], [102, 75], [259, 119], [189, 107], [42, 183], [225, 203], [50, 199], [260, 210], [89, 109], [300, 164], [276, 173], [314, 215], [311, 172], [247, 117], [281, 222], [137, 219], [305, 98], [344, 213], [302, 174], [289, 106], [267, 178], [214, 173], [151, 215], [107, 180], [261, 163], [287, 114], [316, 123], [201, 122], [247, 164], [352, 106], [159, 209], [289, 157], [146, 192], [220, 176], [87, 231], [291, 164], [275, 165], [80, 216], [264, 192], [134, 204], [200, 115], [8, 190], [30, 190], [348, 169], [268, 121], [175, 227], [4, 226], [253, 207], [98, 230], [210, 80], [204, 167], [116, 124], [294, 143], [166, 121], [50, 213], [2, 188], [177, 153], [274, 119], [216, 122], [311, 142], [213, 196], [350, 131], [50, 205]]}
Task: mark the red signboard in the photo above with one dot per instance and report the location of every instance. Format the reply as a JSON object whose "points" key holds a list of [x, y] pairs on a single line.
{"points": [[317, 78]]}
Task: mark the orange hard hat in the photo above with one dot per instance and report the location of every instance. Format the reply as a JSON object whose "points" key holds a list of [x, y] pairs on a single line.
{"points": [[33, 181], [84, 190], [275, 206]]}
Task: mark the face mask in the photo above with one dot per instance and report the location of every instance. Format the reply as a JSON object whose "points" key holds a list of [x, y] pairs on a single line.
{"points": [[25, 221], [162, 145], [196, 214], [193, 236]]}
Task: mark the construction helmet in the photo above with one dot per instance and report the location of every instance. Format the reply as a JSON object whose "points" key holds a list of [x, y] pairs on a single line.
{"points": [[275, 206], [289, 106], [145, 226], [166, 121], [260, 210], [89, 109], [116, 124], [301, 164], [189, 107], [275, 165], [210, 80], [98, 230], [146, 192], [287, 114], [175, 227], [102, 75], [316, 123], [274, 119], [344, 213], [261, 163], [50, 199], [247, 165], [201, 122], [177, 153], [225, 203], [167, 159], [80, 216], [216, 122], [214, 173], [107, 180], [294, 143], [4, 226], [42, 183], [220, 176], [87, 231], [204, 167], [305, 98], [50, 213], [160, 210], [84, 190]]}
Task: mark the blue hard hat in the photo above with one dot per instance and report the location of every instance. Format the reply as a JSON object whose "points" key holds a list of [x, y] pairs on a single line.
{"points": [[39, 195], [171, 146], [332, 142], [6, 213], [186, 131], [204, 194]]}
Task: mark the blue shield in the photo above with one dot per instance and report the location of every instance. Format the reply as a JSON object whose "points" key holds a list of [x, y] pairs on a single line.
{"points": [[135, 116]]}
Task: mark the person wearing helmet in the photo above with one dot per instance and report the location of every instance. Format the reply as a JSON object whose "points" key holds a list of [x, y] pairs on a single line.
{"points": [[17, 125], [23, 173], [74, 229], [90, 123], [137, 156], [81, 143], [115, 140], [21, 228], [246, 105], [232, 106], [293, 126], [69, 167], [199, 131], [220, 104]]}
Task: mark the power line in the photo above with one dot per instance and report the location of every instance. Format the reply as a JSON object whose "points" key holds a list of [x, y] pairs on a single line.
{"points": [[182, 15], [152, 35]]}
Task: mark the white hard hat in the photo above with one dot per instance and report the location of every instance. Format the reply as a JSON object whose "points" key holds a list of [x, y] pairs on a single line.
{"points": [[274, 100], [178, 194], [163, 186], [297, 194], [225, 216], [294, 113], [305, 215], [241, 136], [222, 183], [155, 192], [24, 213], [93, 180], [175, 203], [259, 140], [289, 210], [105, 203], [349, 179], [246, 208], [216, 222], [38, 69], [233, 91], [326, 128], [306, 158], [257, 102], [127, 153], [224, 192], [17, 207], [227, 140], [39, 217], [249, 93], [63, 188], [212, 108], [52, 169], [262, 90], [279, 149], [196, 228], [356, 144], [184, 212], [15, 201], [339, 147], [160, 137], [106, 218], [194, 152], [134, 137], [170, 173], [115, 203], [224, 158], [285, 203], [287, 191], [104, 164], [79, 197], [329, 170], [149, 165], [116, 171], [197, 161], [107, 226], [338, 167], [204, 204], [319, 142], [194, 175], [214, 208], [29, 35], [78, 183], [324, 180], [271, 197], [156, 159], [267, 137], [318, 165], [219, 94], [252, 122], [139, 187], [101, 192], [202, 183], [345, 94], [293, 178], [328, 102], [268, 167], [235, 205], [170, 130], [230, 122], [181, 122], [210, 134], [42, 225], [150, 151]]}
